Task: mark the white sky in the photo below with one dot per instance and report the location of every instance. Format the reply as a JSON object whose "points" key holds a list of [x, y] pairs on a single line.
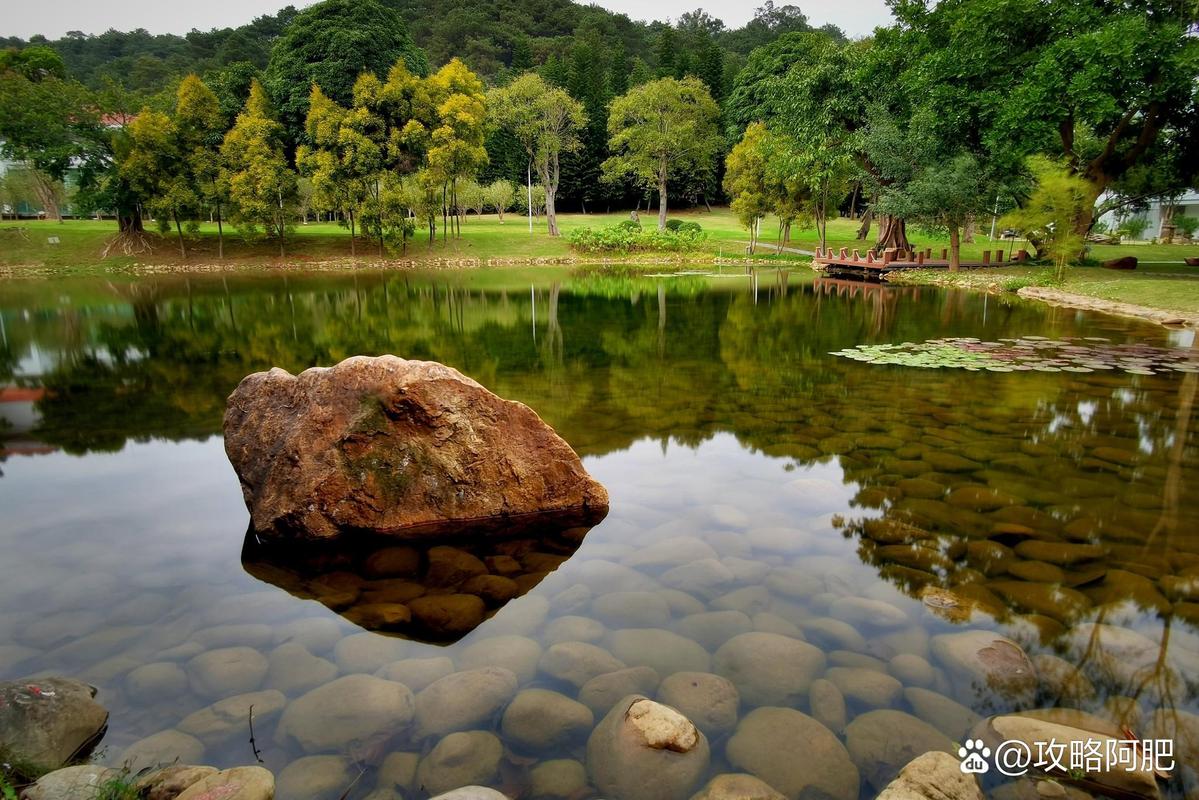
{"points": [[53, 19]]}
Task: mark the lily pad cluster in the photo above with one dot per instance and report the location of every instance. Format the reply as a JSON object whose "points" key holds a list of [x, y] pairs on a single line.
{"points": [[1028, 354]]}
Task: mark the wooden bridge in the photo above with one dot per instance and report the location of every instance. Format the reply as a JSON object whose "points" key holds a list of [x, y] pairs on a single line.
{"points": [[845, 263]]}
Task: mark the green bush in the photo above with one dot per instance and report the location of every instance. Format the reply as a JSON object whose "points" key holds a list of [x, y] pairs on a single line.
{"points": [[629, 225], [622, 239], [1186, 225], [673, 225], [690, 227], [1134, 227]]}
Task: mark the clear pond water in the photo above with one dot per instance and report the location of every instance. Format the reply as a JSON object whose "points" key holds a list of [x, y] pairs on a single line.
{"points": [[760, 484]]}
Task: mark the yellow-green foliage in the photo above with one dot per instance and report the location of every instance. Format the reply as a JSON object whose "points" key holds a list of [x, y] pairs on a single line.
{"points": [[1050, 213]]}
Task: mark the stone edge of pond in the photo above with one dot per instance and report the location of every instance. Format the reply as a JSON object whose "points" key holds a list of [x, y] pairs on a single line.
{"points": [[39, 271], [1082, 301], [1056, 297]]}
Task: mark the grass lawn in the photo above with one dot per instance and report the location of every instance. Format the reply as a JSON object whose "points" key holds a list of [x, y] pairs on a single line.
{"points": [[1169, 287], [80, 243]]}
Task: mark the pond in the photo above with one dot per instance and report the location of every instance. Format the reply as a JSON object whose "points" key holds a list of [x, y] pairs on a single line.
{"points": [[826, 534]]}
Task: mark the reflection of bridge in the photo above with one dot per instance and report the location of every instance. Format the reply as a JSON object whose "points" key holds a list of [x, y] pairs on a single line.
{"points": [[872, 267]]}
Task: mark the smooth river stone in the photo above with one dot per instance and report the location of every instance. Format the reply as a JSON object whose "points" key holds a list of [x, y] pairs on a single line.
{"points": [[463, 700], [577, 662], [643, 750], [517, 653], [316, 778], [735, 786], [353, 709], [882, 742], [713, 628], [228, 671], [417, 673], [538, 719], [151, 683], [769, 669], [461, 759], [827, 705], [865, 687], [603, 691], [671, 552], [631, 610], [793, 753], [661, 650], [239, 783], [709, 701], [230, 717], [294, 670], [867, 611], [573, 629], [162, 748]]}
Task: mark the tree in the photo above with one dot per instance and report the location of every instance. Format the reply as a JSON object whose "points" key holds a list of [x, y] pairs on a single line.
{"points": [[456, 147], [255, 172], [1095, 84], [47, 123], [200, 127], [500, 195], [154, 167], [547, 121], [659, 130], [1048, 215], [331, 44], [343, 162], [745, 180]]}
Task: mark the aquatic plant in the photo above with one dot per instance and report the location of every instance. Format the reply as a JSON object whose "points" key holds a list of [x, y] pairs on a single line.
{"points": [[1027, 354]]}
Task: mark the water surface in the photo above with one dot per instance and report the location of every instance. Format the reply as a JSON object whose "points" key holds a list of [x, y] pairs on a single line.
{"points": [[1056, 508]]}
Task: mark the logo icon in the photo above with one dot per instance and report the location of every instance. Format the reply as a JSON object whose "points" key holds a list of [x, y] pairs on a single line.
{"points": [[974, 755]]}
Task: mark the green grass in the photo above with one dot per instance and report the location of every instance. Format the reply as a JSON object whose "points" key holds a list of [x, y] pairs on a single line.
{"points": [[1170, 287], [81, 242]]}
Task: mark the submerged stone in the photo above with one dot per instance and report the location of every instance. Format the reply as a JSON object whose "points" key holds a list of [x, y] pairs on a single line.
{"points": [[644, 750], [47, 722], [793, 753]]}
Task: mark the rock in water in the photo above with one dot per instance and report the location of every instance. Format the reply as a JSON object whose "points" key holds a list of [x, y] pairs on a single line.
{"points": [[644, 750], [397, 447], [47, 722]]}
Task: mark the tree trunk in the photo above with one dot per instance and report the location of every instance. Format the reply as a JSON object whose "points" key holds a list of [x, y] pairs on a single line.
{"points": [[551, 210], [179, 231], [955, 249], [220, 233], [968, 230], [892, 235], [864, 228], [661, 204], [353, 252]]}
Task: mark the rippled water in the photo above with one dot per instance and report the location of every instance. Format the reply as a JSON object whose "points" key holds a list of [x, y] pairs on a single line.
{"points": [[758, 483]]}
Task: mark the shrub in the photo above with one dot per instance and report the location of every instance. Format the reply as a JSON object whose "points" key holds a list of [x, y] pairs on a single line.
{"points": [[629, 225], [1134, 227], [1186, 225], [673, 225], [623, 239], [690, 227]]}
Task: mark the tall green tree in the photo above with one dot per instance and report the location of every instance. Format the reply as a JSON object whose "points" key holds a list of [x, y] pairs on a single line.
{"points": [[548, 122], [661, 131], [330, 44], [1045, 217], [260, 183], [345, 157], [200, 127], [1095, 84], [456, 149]]}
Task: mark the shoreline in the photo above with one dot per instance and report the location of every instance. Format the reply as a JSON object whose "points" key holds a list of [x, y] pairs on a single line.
{"points": [[40, 272], [1055, 297]]}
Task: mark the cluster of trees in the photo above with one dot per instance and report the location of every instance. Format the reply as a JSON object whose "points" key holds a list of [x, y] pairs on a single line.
{"points": [[958, 111], [962, 110], [592, 54]]}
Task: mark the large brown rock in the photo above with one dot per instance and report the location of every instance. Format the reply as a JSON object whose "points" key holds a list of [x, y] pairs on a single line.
{"points": [[394, 446]]}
